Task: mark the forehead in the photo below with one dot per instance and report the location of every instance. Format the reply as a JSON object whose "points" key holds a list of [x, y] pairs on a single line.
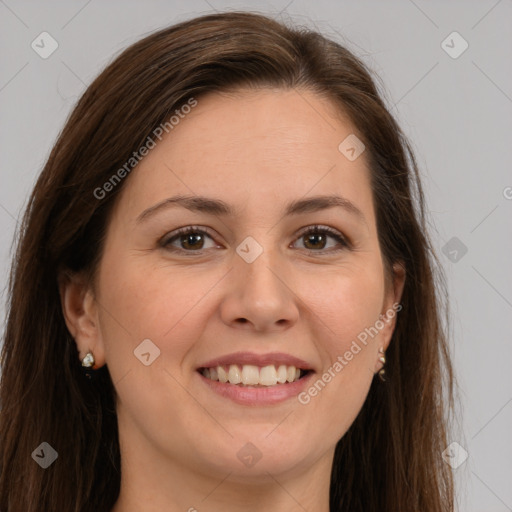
{"points": [[268, 145], [265, 124]]}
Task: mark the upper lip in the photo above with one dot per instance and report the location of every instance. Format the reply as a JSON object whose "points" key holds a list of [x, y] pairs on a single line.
{"points": [[241, 358]]}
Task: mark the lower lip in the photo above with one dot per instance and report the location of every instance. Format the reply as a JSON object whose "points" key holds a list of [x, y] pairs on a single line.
{"points": [[246, 395]]}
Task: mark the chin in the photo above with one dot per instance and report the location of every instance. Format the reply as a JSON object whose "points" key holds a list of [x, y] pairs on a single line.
{"points": [[253, 454]]}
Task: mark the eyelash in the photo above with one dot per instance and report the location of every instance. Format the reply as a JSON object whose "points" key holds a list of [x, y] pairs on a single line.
{"points": [[315, 229]]}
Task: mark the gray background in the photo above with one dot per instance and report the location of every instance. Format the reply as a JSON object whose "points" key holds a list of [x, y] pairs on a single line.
{"points": [[456, 111]]}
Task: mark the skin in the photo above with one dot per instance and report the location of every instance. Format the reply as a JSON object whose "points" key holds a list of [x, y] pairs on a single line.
{"points": [[257, 151]]}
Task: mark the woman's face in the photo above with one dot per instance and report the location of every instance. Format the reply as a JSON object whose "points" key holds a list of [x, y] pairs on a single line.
{"points": [[248, 293]]}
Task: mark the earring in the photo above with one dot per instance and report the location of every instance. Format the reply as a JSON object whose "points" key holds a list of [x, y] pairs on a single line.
{"points": [[88, 360], [382, 359]]}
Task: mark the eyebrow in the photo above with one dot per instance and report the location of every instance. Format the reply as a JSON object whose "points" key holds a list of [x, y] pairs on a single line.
{"points": [[212, 206]]}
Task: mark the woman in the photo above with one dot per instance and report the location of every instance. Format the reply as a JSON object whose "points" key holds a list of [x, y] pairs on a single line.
{"points": [[223, 293]]}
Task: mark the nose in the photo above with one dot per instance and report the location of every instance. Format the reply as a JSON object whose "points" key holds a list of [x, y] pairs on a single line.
{"points": [[259, 296]]}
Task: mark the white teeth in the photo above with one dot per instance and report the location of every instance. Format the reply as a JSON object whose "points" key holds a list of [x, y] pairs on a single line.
{"points": [[251, 375], [234, 375], [222, 374], [268, 376], [281, 374]]}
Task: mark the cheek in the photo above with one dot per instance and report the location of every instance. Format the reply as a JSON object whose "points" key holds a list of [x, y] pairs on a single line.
{"points": [[346, 313], [145, 302], [346, 303], [173, 305], [141, 301], [168, 304]]}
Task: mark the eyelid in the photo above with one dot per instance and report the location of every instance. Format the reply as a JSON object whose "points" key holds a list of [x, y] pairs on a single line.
{"points": [[322, 228], [183, 231], [332, 232], [343, 240]]}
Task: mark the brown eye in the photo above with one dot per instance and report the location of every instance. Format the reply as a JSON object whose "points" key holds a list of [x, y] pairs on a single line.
{"points": [[189, 239], [316, 238], [315, 241]]}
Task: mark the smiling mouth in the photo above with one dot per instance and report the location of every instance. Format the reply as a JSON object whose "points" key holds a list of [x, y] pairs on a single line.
{"points": [[254, 376]]}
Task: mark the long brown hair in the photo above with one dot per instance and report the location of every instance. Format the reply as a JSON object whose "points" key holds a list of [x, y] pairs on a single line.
{"points": [[390, 459]]}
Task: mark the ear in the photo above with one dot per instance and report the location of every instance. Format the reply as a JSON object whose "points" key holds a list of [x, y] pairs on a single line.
{"points": [[81, 315], [392, 304]]}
